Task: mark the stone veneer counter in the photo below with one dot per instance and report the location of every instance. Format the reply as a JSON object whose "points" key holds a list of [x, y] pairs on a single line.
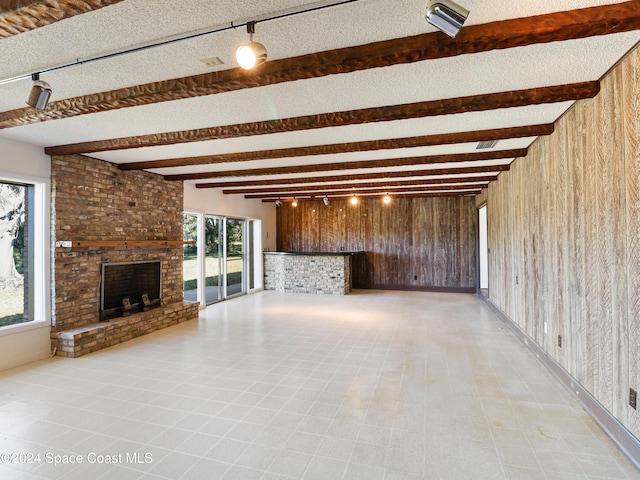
{"points": [[312, 272]]}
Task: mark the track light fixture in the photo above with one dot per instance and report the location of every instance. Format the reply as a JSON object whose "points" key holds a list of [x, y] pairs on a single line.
{"points": [[253, 53], [354, 200], [325, 200], [446, 16], [278, 203], [40, 93], [295, 202], [386, 199]]}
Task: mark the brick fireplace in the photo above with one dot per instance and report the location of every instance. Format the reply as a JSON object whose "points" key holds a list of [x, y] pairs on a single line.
{"points": [[103, 215], [136, 283]]}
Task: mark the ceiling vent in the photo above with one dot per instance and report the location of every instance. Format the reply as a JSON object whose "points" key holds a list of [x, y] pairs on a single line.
{"points": [[211, 62], [487, 144]]}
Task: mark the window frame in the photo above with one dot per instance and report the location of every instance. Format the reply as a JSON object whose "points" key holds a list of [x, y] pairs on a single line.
{"points": [[40, 270]]}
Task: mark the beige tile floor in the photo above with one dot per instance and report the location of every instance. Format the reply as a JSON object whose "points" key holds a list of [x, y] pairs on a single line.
{"points": [[373, 385]]}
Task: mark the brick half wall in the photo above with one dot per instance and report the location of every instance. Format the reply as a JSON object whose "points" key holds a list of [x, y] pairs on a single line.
{"points": [[299, 273]]}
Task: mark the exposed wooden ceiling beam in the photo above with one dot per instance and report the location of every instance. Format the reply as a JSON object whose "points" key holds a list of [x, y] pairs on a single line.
{"points": [[345, 186], [362, 176], [19, 16], [587, 22], [492, 101], [385, 163], [365, 191], [443, 193], [427, 140]]}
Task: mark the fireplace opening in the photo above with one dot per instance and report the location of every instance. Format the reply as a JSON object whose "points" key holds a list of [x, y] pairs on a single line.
{"points": [[127, 288]]}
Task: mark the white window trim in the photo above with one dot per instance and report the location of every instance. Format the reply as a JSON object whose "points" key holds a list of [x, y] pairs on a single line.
{"points": [[41, 251]]}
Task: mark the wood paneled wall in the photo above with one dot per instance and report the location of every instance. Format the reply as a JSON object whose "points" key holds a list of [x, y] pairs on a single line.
{"points": [[565, 222], [431, 238]]}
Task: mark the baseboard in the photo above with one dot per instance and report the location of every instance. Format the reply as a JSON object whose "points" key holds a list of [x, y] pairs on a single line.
{"points": [[623, 438], [417, 288]]}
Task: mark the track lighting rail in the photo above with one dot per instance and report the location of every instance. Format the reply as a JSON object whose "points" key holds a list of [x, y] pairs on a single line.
{"points": [[188, 36]]}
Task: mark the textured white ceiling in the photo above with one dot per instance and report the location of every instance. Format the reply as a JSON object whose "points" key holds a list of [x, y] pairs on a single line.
{"points": [[136, 22]]}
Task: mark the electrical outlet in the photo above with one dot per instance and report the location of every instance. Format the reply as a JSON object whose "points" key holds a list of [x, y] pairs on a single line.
{"points": [[516, 280], [415, 277], [633, 397], [560, 341]]}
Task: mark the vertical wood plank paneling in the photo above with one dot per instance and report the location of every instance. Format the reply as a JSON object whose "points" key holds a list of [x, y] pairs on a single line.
{"points": [[355, 226], [570, 326], [538, 170], [619, 261], [549, 275], [519, 287], [431, 275], [469, 236], [329, 220], [605, 143], [431, 238], [590, 234], [578, 328], [566, 220], [562, 311], [419, 251], [631, 122]]}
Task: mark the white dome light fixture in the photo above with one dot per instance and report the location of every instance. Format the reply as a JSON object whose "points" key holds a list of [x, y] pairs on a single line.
{"points": [[252, 54]]}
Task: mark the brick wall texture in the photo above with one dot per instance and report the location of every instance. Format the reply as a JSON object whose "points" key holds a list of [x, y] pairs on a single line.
{"points": [[94, 200], [308, 273]]}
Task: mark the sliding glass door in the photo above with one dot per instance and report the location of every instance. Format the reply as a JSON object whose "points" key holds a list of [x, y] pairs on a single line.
{"points": [[220, 258], [235, 256], [214, 252]]}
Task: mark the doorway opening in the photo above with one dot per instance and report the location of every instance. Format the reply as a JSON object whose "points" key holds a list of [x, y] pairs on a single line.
{"points": [[483, 253]]}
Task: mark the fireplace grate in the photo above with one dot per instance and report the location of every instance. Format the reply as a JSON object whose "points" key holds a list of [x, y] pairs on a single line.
{"points": [[128, 288]]}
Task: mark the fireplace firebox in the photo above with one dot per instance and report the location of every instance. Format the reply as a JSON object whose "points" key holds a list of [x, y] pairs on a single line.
{"points": [[129, 287]]}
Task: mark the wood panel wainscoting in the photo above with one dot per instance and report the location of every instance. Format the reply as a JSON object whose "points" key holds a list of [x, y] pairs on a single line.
{"points": [[564, 240], [421, 243]]}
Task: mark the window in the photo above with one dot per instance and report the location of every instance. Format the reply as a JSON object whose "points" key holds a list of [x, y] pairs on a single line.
{"points": [[22, 253], [190, 259]]}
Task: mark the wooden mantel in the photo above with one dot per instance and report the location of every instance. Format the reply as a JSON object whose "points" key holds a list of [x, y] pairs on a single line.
{"points": [[120, 243]]}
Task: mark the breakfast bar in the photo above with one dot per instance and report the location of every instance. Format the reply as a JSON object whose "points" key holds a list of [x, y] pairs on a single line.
{"points": [[309, 272]]}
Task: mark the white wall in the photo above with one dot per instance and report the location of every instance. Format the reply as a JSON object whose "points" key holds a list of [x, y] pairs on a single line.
{"points": [[26, 343], [213, 201]]}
